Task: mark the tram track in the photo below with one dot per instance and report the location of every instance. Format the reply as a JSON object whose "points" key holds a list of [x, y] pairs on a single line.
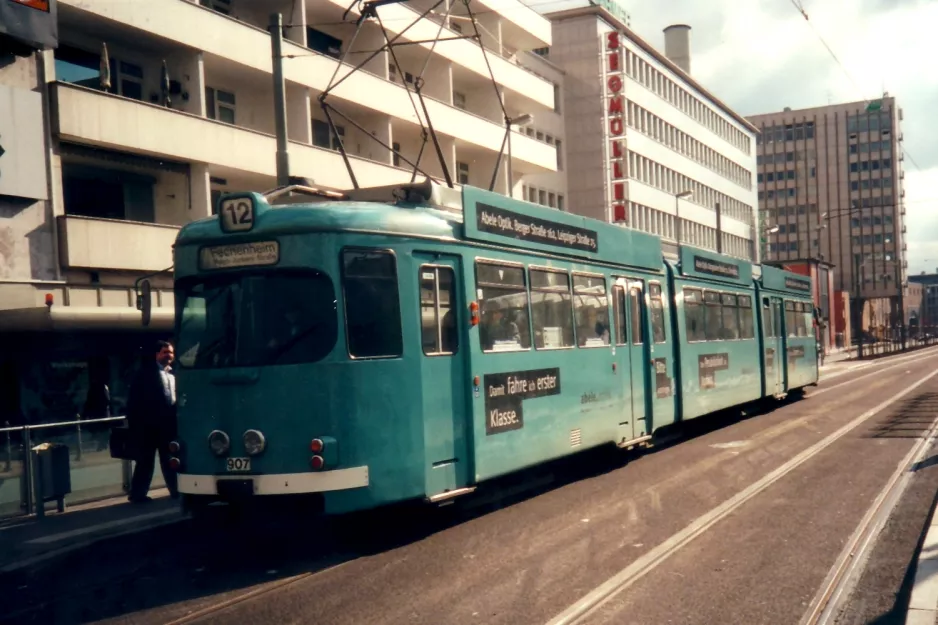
{"points": [[891, 363], [590, 603], [233, 601], [271, 588], [843, 575], [658, 555]]}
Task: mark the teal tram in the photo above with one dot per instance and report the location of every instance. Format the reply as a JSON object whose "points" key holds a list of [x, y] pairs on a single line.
{"points": [[412, 342]]}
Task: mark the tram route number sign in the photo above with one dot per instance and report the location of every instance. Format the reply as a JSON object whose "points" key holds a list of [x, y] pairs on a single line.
{"points": [[534, 230], [237, 214], [707, 367], [505, 394]]}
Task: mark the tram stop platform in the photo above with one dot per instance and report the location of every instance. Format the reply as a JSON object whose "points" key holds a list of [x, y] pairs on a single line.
{"points": [[29, 541]]}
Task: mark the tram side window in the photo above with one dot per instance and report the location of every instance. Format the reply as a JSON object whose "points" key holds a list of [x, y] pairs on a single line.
{"points": [[730, 317], [807, 321], [713, 316], [746, 325], [790, 319], [504, 304], [591, 310], [694, 315], [768, 318], [638, 329], [657, 313], [438, 329], [551, 309], [619, 308], [372, 304]]}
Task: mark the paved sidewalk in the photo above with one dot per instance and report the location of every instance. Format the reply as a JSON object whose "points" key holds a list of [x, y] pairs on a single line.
{"points": [[28, 541]]}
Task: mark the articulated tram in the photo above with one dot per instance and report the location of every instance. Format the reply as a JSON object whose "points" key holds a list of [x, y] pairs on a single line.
{"points": [[413, 342]]}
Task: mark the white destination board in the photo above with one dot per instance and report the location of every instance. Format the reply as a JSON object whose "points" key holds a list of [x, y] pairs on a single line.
{"points": [[240, 255]]}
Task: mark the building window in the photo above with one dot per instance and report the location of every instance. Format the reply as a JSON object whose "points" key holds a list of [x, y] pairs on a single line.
{"points": [[557, 97], [396, 156], [322, 135], [559, 155], [324, 43], [462, 172], [220, 105]]}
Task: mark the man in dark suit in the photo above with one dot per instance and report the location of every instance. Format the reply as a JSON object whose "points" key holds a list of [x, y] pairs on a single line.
{"points": [[151, 416]]}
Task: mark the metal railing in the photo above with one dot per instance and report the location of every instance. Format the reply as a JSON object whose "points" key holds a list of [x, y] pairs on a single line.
{"points": [[883, 341], [87, 449]]}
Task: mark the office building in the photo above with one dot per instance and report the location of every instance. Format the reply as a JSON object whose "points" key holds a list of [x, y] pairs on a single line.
{"points": [[644, 144], [831, 187]]}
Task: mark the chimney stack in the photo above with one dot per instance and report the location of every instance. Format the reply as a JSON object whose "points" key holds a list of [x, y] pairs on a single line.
{"points": [[677, 45]]}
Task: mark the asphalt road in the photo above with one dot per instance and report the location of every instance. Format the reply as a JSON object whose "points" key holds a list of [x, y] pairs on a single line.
{"points": [[531, 556]]}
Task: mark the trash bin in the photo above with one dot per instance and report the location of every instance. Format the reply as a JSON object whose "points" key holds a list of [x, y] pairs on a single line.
{"points": [[53, 478]]}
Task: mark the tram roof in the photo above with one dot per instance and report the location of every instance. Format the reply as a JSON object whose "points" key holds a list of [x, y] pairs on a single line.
{"points": [[784, 281], [428, 210]]}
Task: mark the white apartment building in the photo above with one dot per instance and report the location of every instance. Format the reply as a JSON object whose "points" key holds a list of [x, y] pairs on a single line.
{"points": [[547, 189], [646, 145], [106, 175]]}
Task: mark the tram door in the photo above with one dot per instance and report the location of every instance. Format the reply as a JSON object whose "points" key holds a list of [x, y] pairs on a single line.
{"points": [[630, 328], [443, 372], [775, 356]]}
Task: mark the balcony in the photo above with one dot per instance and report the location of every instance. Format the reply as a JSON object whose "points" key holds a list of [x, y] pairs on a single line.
{"points": [[91, 243], [517, 81], [187, 24], [94, 118]]}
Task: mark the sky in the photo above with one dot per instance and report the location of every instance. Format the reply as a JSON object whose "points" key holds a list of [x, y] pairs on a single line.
{"points": [[760, 56]]}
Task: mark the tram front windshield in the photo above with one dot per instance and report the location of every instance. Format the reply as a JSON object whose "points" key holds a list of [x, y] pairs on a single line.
{"points": [[256, 320]]}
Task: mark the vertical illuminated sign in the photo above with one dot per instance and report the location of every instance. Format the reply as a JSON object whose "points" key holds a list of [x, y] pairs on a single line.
{"points": [[615, 125]]}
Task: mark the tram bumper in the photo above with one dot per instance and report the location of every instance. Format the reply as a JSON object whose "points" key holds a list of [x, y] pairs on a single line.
{"points": [[273, 484]]}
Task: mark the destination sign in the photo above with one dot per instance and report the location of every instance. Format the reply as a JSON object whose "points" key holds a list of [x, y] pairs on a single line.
{"points": [[797, 285], [517, 226], [715, 267], [256, 254]]}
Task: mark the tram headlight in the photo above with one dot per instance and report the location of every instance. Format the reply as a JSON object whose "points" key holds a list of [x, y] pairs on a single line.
{"points": [[219, 442], [254, 442]]}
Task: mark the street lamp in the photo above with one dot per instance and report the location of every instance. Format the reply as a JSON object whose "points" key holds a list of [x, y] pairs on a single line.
{"points": [[677, 215], [520, 120]]}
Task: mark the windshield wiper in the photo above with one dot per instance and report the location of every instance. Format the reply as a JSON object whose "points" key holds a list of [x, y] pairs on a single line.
{"points": [[286, 347]]}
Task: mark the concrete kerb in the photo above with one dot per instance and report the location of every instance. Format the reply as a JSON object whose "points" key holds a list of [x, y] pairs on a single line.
{"points": [[107, 530], [923, 603]]}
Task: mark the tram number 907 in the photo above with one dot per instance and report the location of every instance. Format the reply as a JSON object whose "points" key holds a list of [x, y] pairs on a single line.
{"points": [[239, 464]]}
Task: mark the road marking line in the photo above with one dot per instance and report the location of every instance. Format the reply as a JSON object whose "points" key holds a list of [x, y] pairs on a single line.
{"points": [[648, 562], [54, 538]]}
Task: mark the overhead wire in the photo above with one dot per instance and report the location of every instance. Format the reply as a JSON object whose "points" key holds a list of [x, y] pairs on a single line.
{"points": [[799, 6]]}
